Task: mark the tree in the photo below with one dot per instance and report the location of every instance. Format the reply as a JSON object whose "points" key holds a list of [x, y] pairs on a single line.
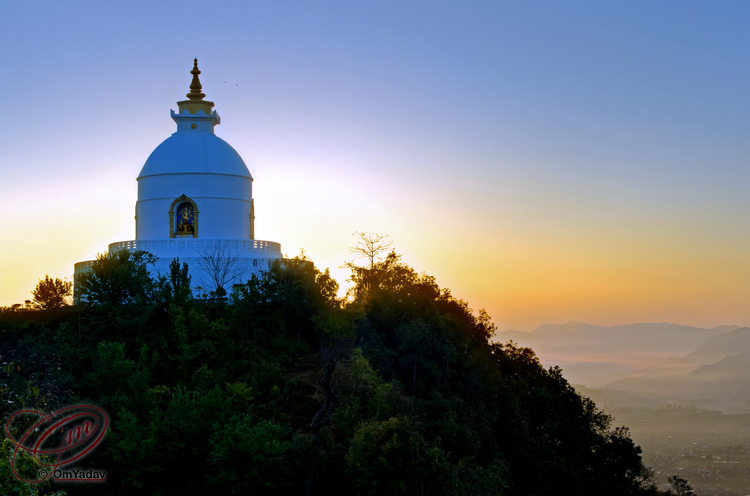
{"points": [[117, 279], [51, 293], [178, 283], [221, 267], [370, 246], [680, 487]]}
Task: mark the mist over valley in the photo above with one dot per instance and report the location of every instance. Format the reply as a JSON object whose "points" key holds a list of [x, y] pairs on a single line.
{"points": [[682, 391]]}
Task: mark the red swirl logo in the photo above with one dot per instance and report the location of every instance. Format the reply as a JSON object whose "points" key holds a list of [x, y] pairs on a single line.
{"points": [[58, 439]]}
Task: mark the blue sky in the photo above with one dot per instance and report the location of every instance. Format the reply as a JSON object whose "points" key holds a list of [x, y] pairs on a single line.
{"points": [[548, 161]]}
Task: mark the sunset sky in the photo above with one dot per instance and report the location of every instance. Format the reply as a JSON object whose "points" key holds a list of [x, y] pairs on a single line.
{"points": [[548, 161]]}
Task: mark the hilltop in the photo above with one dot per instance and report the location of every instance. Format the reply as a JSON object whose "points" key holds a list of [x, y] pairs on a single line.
{"points": [[282, 388]]}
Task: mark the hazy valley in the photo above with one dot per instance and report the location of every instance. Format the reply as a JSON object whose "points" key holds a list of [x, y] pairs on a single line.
{"points": [[683, 392], [649, 364]]}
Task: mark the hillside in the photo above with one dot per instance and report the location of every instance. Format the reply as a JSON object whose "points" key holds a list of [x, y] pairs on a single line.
{"points": [[714, 376], [717, 348], [284, 389]]}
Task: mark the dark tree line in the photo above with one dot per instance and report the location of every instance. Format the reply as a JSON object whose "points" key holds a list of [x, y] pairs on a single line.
{"points": [[286, 389]]}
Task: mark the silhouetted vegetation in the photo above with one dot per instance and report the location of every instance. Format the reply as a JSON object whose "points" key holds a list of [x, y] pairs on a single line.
{"points": [[52, 293], [285, 389]]}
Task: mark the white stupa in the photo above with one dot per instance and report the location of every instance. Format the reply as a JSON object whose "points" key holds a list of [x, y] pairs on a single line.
{"points": [[195, 203]]}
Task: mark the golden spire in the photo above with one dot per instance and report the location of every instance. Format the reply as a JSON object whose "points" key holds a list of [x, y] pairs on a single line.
{"points": [[195, 104], [195, 85]]}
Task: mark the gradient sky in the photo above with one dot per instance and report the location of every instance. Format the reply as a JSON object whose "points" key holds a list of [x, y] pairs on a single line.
{"points": [[548, 161]]}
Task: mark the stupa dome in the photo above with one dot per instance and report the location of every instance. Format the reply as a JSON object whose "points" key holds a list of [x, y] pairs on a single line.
{"points": [[188, 152], [195, 204]]}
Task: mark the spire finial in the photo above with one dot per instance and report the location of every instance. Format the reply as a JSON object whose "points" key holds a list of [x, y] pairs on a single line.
{"points": [[195, 85]]}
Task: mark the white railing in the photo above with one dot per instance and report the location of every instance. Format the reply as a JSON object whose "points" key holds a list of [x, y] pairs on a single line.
{"points": [[152, 245], [82, 266]]}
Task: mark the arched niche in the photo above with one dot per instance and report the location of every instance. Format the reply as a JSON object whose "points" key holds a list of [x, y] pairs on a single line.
{"points": [[183, 218]]}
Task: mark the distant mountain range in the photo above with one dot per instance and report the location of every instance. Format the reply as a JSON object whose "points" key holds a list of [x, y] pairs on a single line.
{"points": [[648, 364]]}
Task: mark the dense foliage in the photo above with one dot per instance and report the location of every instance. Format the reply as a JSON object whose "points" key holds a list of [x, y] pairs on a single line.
{"points": [[51, 293], [284, 389]]}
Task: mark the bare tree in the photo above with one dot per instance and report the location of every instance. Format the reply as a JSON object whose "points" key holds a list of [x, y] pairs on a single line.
{"points": [[221, 265], [370, 246]]}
